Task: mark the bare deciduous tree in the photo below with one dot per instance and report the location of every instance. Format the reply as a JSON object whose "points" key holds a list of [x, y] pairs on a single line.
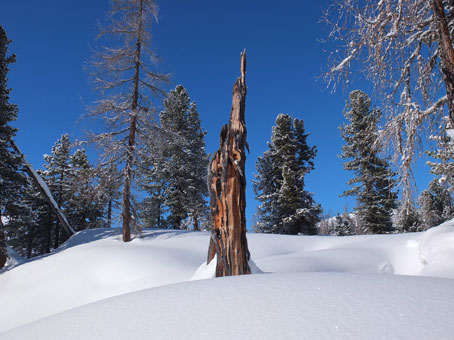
{"points": [[123, 75], [404, 47]]}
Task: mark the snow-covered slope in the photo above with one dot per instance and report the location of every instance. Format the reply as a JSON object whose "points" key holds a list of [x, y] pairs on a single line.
{"points": [[316, 287], [322, 306]]}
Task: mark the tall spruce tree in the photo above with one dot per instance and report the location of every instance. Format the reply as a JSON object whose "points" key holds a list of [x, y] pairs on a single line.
{"points": [[58, 175], [32, 235], [12, 180], [76, 187], [279, 183], [176, 182], [373, 183]]}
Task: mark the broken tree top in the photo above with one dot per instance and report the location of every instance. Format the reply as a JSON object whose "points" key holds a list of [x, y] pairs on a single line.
{"points": [[227, 187], [239, 97]]}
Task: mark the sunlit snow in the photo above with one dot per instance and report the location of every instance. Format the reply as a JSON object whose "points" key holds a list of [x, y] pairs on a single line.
{"points": [[313, 287]]}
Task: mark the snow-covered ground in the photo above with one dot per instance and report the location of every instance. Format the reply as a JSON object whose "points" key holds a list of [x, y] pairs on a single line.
{"points": [[313, 287]]}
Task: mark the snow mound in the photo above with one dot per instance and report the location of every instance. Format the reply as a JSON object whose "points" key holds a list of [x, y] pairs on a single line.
{"points": [[437, 251], [95, 264], [322, 306], [208, 271]]}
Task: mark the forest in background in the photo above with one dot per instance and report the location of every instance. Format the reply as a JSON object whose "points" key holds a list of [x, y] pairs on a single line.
{"points": [[152, 166]]}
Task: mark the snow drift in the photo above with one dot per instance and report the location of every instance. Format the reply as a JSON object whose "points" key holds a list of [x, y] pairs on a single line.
{"points": [[313, 287], [278, 306]]}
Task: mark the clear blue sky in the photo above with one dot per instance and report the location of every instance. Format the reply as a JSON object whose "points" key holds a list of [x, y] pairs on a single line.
{"points": [[200, 44]]}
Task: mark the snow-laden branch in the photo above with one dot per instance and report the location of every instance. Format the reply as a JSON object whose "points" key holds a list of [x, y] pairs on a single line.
{"points": [[44, 189]]}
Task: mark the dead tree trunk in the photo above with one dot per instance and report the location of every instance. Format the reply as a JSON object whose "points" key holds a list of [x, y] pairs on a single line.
{"points": [[227, 188], [42, 186]]}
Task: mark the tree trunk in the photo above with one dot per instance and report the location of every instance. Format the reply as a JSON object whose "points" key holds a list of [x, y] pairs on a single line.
{"points": [[109, 213], [57, 235], [126, 213], [49, 233], [196, 221], [446, 54], [227, 188]]}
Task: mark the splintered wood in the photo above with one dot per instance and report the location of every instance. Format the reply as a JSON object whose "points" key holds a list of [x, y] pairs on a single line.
{"points": [[227, 188]]}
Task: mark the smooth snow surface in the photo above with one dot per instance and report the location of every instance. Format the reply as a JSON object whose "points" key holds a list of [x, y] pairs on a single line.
{"points": [[437, 251], [314, 287], [267, 306]]}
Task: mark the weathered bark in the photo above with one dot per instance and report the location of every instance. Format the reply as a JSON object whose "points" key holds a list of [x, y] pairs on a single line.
{"points": [[446, 54], [43, 188], [227, 188]]}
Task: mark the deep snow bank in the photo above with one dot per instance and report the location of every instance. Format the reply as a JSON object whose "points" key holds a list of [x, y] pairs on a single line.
{"points": [[265, 306], [437, 251], [96, 264]]}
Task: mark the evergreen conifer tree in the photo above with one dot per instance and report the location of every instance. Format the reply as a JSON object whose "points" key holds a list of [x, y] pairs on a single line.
{"points": [[436, 205], [32, 235], [342, 225], [443, 166], [407, 218], [76, 188], [58, 178], [279, 183], [373, 182], [176, 181], [12, 180]]}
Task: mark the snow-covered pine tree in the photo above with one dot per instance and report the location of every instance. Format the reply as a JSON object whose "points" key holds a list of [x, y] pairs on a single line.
{"points": [[279, 183], [373, 183], [443, 166], [176, 182], [78, 191], [405, 49], [123, 75], [266, 187], [58, 175], [436, 205], [32, 235], [12, 180], [407, 218], [342, 225]]}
